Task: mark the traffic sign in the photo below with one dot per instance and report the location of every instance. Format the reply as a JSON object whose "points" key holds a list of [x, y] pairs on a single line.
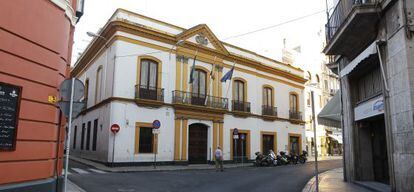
{"points": [[242, 136], [115, 128], [76, 108], [156, 124], [155, 131], [235, 131], [66, 87]]}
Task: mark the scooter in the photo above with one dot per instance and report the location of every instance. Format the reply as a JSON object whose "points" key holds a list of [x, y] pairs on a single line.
{"points": [[273, 158], [282, 158], [303, 157], [260, 160]]}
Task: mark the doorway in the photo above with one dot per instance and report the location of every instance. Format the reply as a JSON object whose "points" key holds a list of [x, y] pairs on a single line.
{"points": [[373, 159], [197, 143], [268, 143], [294, 144]]}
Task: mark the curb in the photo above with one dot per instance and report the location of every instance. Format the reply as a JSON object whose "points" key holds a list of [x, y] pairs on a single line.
{"points": [[310, 186]]}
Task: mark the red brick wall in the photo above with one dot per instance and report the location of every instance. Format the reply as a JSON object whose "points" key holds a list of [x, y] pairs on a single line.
{"points": [[35, 49]]}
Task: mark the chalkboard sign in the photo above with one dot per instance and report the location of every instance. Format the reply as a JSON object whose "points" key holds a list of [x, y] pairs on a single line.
{"points": [[9, 115]]}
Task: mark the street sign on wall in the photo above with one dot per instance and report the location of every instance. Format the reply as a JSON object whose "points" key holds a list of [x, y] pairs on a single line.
{"points": [[115, 128]]}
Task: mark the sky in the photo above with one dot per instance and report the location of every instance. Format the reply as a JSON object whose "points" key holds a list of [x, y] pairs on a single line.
{"points": [[226, 18]]}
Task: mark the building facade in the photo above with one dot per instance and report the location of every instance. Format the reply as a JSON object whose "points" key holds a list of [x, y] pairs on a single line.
{"points": [[139, 70], [323, 83], [372, 46], [35, 52]]}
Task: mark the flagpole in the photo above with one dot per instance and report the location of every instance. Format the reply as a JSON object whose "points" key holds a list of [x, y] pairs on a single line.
{"points": [[228, 88]]}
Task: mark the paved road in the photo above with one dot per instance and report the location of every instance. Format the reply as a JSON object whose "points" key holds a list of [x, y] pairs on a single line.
{"points": [[261, 179]]}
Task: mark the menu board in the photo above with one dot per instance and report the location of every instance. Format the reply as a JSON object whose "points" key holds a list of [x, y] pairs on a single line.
{"points": [[9, 115]]}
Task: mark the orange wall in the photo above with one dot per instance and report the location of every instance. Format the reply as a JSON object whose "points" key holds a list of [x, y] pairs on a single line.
{"points": [[35, 49]]}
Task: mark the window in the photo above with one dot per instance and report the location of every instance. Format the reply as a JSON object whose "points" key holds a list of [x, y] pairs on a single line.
{"points": [[308, 99], [85, 97], [239, 90], [74, 136], [98, 88], [149, 73], [267, 96], [83, 136], [146, 140], [293, 100], [369, 85], [326, 85], [88, 135], [95, 134], [317, 79], [199, 83]]}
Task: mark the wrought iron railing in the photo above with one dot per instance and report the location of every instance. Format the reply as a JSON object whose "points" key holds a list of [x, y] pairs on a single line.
{"points": [[269, 110], [295, 115], [149, 93], [241, 106], [189, 98], [341, 12]]}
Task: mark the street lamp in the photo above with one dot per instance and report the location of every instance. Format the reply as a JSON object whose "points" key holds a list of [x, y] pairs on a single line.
{"points": [[314, 136]]}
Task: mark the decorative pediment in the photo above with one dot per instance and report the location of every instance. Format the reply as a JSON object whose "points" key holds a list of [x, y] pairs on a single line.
{"points": [[201, 35]]}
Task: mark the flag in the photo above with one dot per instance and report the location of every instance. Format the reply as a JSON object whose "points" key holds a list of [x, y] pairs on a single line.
{"points": [[228, 75], [192, 70]]}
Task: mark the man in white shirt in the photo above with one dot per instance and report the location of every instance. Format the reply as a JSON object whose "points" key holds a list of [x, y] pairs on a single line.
{"points": [[219, 158]]}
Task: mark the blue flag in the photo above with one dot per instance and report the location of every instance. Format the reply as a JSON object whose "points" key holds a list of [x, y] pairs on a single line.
{"points": [[228, 75]]}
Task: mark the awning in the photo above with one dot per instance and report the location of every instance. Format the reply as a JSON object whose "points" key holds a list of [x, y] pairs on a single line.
{"points": [[336, 137], [372, 49], [330, 115]]}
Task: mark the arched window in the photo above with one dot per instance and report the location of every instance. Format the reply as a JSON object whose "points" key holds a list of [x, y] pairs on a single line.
{"points": [[267, 96], [148, 76], [199, 87], [317, 79], [293, 102], [85, 97], [98, 88], [239, 94]]}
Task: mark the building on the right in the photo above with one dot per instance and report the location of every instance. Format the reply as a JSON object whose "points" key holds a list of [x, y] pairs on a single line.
{"points": [[372, 49]]}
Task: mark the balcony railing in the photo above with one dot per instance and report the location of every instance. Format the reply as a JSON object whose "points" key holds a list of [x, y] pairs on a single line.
{"points": [[341, 12], [149, 93], [295, 115], [269, 110], [241, 106], [182, 97]]}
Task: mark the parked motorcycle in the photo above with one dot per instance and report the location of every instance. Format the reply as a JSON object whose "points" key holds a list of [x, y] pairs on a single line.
{"points": [[282, 158], [273, 158], [265, 160], [293, 158], [303, 157]]}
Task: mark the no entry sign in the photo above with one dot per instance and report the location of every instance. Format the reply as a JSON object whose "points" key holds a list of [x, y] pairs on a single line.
{"points": [[115, 128]]}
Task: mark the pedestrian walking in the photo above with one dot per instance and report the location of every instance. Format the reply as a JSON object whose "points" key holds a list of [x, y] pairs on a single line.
{"points": [[219, 159]]}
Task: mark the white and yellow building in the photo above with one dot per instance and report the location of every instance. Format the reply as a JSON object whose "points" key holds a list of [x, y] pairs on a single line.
{"points": [[138, 71]]}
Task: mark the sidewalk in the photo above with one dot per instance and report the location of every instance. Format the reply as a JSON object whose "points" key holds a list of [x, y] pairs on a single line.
{"points": [[159, 168], [332, 180], [73, 187], [175, 167], [324, 158]]}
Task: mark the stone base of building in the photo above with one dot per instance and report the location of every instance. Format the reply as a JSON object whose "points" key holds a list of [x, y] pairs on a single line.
{"points": [[44, 185]]}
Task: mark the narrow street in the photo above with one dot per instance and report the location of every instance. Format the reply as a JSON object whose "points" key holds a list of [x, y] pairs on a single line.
{"points": [[281, 178]]}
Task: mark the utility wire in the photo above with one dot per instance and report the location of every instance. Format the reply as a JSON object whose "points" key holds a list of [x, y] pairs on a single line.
{"points": [[273, 26]]}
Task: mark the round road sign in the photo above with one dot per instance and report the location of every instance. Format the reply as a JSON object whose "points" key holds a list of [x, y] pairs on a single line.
{"points": [[242, 136], [115, 128], [156, 124]]}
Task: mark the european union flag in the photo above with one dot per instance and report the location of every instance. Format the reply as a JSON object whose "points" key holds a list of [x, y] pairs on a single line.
{"points": [[228, 75]]}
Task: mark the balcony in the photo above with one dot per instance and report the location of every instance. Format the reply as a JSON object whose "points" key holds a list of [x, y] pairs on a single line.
{"points": [[295, 115], [206, 102], [240, 108], [351, 27], [149, 96], [269, 112]]}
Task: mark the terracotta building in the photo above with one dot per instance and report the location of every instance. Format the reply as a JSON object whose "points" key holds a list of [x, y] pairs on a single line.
{"points": [[35, 51]]}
